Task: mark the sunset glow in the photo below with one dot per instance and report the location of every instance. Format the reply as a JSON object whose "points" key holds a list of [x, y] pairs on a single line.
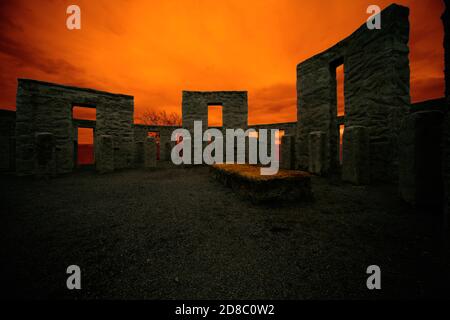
{"points": [[215, 116], [155, 49]]}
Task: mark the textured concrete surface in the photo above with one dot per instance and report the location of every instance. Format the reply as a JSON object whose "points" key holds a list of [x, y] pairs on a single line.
{"points": [[356, 155], [234, 108], [165, 133], [150, 152], [376, 92], [104, 154], [247, 182], [287, 152], [317, 152], [45, 162], [47, 107]]}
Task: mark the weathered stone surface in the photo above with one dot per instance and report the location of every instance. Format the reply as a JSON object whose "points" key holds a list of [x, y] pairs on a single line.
{"points": [[47, 107], [376, 92], [289, 128], [45, 154], [165, 133], [420, 178], [104, 154], [317, 149], [356, 155], [287, 152], [234, 108], [139, 154], [246, 181], [150, 153]]}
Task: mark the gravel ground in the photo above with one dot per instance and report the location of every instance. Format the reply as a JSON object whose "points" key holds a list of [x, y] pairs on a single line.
{"points": [[174, 233]]}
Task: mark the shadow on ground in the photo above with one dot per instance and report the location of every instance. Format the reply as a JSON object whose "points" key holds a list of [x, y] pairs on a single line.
{"points": [[174, 233]]}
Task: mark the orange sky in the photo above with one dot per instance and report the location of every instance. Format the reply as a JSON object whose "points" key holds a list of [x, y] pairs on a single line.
{"points": [[155, 49]]}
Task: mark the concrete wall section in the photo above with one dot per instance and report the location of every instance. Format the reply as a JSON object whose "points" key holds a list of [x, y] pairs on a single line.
{"points": [[104, 154], [165, 133], [317, 143], [47, 107], [376, 86], [150, 152], [356, 155], [234, 107]]}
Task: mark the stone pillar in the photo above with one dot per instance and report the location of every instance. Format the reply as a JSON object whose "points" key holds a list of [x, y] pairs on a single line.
{"points": [[167, 146], [150, 152], [287, 152], [104, 158], [420, 159], [45, 154], [139, 154], [355, 155], [317, 152]]}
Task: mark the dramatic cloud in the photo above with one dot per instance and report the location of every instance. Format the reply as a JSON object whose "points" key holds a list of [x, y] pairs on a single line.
{"points": [[155, 49]]}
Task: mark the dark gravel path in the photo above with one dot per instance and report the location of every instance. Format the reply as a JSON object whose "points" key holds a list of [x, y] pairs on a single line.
{"points": [[174, 233]]}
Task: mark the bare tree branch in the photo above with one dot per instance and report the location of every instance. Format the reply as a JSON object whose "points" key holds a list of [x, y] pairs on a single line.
{"points": [[160, 118]]}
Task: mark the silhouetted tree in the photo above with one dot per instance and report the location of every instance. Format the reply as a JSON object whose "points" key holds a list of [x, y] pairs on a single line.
{"points": [[161, 118]]}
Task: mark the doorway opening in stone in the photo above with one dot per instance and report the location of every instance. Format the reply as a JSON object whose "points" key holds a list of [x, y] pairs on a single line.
{"points": [[84, 120], [85, 147], [156, 135], [337, 113], [340, 100], [215, 115], [340, 105]]}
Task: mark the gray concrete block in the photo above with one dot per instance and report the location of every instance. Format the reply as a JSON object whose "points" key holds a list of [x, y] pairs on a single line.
{"points": [[104, 154], [317, 155], [287, 152], [356, 155], [47, 107], [45, 164], [139, 154], [150, 152], [377, 93]]}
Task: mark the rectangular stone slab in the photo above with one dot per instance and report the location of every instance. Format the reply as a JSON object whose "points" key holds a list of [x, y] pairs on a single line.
{"points": [[45, 153], [246, 181], [287, 152], [356, 157], [105, 154], [150, 152], [317, 156]]}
